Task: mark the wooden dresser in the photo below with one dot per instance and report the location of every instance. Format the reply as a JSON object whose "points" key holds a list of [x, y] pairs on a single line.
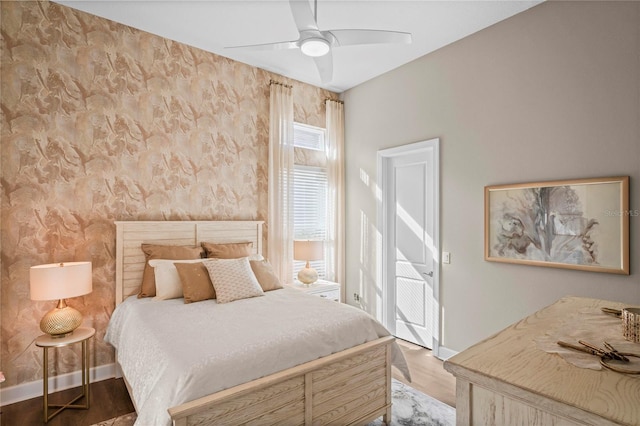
{"points": [[507, 380]]}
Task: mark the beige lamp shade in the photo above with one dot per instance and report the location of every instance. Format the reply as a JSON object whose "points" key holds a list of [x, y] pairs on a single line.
{"points": [[59, 281], [56, 281], [308, 250]]}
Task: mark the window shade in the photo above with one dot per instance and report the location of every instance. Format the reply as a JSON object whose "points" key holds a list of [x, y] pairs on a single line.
{"points": [[310, 209]]}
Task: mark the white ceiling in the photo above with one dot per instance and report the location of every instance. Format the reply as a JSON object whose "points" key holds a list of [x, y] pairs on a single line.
{"points": [[216, 24]]}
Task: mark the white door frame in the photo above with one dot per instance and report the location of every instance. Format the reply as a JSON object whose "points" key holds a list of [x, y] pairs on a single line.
{"points": [[383, 221]]}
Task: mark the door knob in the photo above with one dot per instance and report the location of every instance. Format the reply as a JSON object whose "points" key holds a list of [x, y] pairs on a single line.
{"points": [[429, 274]]}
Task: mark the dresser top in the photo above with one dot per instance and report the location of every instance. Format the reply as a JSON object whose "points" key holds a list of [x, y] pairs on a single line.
{"points": [[512, 357]]}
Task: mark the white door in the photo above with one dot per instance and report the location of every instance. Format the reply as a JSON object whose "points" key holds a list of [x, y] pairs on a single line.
{"points": [[409, 238]]}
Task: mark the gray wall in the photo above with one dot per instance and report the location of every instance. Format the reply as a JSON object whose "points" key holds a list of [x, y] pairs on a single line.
{"points": [[551, 93]]}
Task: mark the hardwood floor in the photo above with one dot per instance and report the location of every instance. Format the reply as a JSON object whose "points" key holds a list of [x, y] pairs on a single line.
{"points": [[427, 373], [109, 398]]}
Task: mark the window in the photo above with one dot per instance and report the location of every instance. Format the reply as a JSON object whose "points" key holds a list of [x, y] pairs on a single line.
{"points": [[309, 194], [308, 137]]}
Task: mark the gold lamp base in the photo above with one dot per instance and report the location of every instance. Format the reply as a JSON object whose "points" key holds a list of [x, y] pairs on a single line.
{"points": [[61, 320]]}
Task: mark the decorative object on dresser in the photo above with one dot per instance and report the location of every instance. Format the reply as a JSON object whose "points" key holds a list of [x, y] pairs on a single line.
{"points": [[521, 376], [610, 357], [576, 224], [631, 324], [60, 281], [308, 250]]}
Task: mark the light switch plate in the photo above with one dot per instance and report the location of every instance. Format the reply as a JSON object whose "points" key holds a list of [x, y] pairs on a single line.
{"points": [[446, 257]]}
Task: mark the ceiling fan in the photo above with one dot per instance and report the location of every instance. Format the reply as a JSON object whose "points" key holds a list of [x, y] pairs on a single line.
{"points": [[318, 43]]}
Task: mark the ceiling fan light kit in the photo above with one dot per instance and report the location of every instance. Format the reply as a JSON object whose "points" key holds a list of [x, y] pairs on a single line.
{"points": [[318, 44], [315, 47]]}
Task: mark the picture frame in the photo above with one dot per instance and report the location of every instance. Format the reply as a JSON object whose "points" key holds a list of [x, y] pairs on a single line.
{"points": [[578, 224]]}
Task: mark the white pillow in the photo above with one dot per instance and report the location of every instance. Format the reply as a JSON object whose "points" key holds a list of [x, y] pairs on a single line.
{"points": [[168, 285], [233, 279]]}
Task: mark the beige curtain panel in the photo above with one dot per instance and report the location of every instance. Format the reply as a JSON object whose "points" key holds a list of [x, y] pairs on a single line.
{"points": [[280, 221], [335, 267]]}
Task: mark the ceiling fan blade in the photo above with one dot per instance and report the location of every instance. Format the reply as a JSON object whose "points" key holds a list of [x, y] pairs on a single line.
{"points": [[303, 15], [284, 45], [352, 37], [325, 67]]}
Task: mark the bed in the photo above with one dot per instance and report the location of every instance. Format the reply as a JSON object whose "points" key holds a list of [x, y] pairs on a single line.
{"points": [[348, 385]]}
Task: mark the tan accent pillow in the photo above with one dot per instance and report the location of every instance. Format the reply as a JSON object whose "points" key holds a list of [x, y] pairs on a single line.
{"points": [[158, 251], [233, 279], [196, 284], [166, 277], [168, 285], [265, 275], [227, 250]]}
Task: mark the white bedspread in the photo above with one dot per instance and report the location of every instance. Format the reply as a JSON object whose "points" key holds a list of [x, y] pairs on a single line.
{"points": [[171, 352]]}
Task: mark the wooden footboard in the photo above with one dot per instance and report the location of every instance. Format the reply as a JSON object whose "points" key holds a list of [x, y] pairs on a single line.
{"points": [[349, 387]]}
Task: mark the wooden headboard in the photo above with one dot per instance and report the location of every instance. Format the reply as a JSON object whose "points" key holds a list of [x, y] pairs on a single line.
{"points": [[130, 235]]}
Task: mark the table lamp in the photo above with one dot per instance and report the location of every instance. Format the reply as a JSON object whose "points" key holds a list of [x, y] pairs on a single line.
{"points": [[59, 281], [308, 250]]}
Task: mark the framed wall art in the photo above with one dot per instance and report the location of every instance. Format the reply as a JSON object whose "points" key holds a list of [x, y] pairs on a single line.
{"points": [[577, 224]]}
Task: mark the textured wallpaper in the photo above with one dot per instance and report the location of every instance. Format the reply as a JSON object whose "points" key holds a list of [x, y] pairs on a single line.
{"points": [[102, 122]]}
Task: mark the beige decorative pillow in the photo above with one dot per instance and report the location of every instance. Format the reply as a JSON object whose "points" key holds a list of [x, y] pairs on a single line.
{"points": [[158, 251], [263, 271], [196, 284], [168, 285], [227, 250], [233, 279]]}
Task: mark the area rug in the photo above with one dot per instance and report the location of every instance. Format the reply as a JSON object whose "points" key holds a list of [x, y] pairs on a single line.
{"points": [[410, 408]]}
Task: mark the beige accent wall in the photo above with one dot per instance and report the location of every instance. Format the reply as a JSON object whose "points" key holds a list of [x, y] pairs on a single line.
{"points": [[551, 93], [102, 122]]}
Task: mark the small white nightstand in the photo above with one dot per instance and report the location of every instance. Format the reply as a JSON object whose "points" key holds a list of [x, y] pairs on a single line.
{"points": [[321, 288], [80, 334]]}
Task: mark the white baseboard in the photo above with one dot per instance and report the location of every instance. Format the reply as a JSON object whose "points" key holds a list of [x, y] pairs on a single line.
{"points": [[445, 353], [34, 389]]}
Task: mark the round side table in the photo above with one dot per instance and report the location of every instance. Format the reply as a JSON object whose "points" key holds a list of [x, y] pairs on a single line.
{"points": [[45, 341]]}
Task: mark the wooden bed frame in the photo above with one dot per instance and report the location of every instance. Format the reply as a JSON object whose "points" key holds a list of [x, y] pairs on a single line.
{"points": [[348, 387]]}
